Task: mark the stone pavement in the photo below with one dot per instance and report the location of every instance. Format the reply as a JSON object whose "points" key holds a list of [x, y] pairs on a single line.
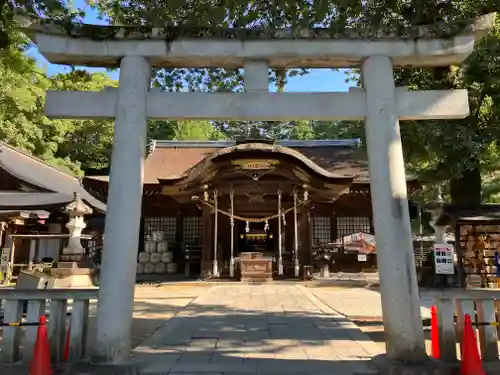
{"points": [[264, 329], [152, 307], [359, 303]]}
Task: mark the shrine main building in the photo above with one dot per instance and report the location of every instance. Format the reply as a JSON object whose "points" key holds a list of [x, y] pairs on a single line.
{"points": [[206, 204]]}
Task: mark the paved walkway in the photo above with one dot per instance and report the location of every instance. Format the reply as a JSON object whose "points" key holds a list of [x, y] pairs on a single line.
{"points": [[262, 329], [359, 303], [152, 307]]}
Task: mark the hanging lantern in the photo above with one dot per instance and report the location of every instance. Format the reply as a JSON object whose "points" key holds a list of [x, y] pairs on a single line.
{"points": [[306, 195], [266, 226], [247, 227]]}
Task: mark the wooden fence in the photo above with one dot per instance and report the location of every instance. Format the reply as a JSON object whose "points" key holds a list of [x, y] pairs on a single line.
{"points": [[18, 342], [482, 305]]}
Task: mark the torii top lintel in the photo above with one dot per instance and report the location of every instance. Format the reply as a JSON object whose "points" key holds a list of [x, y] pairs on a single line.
{"points": [[441, 44]]}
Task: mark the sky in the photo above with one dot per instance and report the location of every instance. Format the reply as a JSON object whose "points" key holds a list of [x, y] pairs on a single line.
{"points": [[318, 80]]}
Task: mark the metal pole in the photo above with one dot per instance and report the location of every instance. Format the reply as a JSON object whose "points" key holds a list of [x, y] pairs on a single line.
{"points": [[280, 260], [215, 270], [296, 260], [231, 265]]}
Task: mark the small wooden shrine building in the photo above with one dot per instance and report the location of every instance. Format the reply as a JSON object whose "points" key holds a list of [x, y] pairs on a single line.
{"points": [[33, 195], [207, 203]]}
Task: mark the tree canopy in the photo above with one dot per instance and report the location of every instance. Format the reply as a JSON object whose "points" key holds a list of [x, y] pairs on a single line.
{"points": [[458, 151]]}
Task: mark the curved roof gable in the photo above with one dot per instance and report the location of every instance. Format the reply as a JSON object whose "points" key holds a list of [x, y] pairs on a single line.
{"points": [[43, 176], [257, 147]]}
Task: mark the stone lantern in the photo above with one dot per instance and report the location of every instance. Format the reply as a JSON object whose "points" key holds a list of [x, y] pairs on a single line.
{"points": [[436, 209], [76, 211], [73, 270]]}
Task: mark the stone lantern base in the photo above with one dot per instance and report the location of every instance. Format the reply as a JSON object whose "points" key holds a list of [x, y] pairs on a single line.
{"points": [[73, 275]]}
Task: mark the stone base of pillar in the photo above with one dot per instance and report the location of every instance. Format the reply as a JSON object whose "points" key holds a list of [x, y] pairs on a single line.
{"points": [[215, 269], [231, 268], [296, 270], [206, 270], [325, 271], [280, 267], [387, 366]]}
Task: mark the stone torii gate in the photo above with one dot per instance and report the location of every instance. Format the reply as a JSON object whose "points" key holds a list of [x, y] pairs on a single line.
{"points": [[379, 103]]}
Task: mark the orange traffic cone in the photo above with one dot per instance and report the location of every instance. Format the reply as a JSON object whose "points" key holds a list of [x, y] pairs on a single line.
{"points": [[435, 349], [471, 361], [66, 345], [40, 365]]}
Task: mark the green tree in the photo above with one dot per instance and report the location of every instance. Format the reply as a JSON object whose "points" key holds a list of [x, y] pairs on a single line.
{"points": [[87, 141], [15, 14], [22, 122], [302, 130], [196, 131], [457, 151]]}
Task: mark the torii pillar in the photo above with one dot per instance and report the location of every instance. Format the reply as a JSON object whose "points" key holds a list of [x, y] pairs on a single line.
{"points": [[379, 103]]}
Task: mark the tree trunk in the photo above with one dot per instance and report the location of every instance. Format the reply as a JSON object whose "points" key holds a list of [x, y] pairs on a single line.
{"points": [[466, 190]]}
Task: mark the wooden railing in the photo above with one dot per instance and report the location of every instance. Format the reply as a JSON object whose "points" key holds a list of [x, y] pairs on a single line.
{"points": [[482, 305], [64, 308]]}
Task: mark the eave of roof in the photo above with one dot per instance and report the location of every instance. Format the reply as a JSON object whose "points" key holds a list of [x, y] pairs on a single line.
{"points": [[285, 143], [32, 201], [25, 214], [44, 176], [270, 150], [170, 160], [482, 214]]}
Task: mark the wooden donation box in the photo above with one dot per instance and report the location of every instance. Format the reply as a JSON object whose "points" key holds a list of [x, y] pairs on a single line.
{"points": [[256, 267]]}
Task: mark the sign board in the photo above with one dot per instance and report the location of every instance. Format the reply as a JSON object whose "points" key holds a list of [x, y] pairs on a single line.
{"points": [[361, 257], [443, 259], [256, 165], [358, 237]]}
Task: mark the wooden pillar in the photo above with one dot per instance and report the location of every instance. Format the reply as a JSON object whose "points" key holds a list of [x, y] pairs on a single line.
{"points": [[215, 269], [460, 260], [178, 248], [296, 267], [3, 227], [231, 224], [280, 236], [206, 251], [333, 226], [5, 264], [305, 244]]}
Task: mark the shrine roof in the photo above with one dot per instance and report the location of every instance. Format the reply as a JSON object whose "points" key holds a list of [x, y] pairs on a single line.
{"points": [[53, 185], [25, 214], [32, 200], [482, 214], [170, 160], [440, 44]]}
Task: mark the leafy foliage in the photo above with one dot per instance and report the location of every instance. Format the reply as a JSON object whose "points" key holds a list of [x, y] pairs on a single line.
{"points": [[436, 150], [14, 13]]}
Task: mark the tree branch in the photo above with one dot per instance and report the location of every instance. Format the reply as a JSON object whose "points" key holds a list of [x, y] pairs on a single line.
{"points": [[480, 102]]}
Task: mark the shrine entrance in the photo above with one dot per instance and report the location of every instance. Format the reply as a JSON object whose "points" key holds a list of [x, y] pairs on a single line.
{"points": [[261, 194], [256, 239]]}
